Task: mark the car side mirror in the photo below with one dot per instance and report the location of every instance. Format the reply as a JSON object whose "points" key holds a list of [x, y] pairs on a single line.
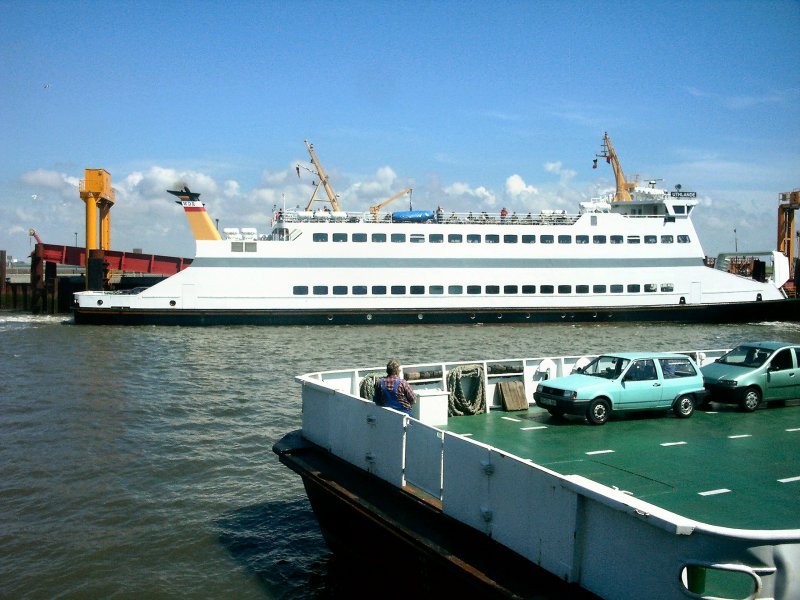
{"points": [[579, 369]]}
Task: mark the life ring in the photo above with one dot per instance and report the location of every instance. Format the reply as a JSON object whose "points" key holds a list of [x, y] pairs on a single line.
{"points": [[581, 362], [546, 369]]}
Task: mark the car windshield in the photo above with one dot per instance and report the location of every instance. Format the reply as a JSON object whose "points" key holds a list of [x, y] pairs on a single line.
{"points": [[746, 356], [607, 367]]}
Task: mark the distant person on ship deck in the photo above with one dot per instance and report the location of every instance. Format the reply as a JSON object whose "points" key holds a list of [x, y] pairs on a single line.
{"points": [[393, 391]]}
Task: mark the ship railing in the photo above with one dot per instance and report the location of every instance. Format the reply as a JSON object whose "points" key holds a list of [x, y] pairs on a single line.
{"points": [[544, 217]]}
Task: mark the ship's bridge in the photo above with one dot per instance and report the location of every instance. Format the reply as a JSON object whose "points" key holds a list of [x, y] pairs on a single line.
{"points": [[650, 201]]}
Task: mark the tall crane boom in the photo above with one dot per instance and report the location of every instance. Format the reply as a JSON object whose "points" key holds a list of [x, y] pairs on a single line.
{"points": [[375, 210], [323, 179], [624, 188]]}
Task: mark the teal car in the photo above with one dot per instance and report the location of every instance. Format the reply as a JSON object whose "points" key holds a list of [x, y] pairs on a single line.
{"points": [[625, 382], [753, 373]]}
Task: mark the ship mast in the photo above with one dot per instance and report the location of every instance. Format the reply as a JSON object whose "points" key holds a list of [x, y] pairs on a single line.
{"points": [[323, 180], [624, 188]]}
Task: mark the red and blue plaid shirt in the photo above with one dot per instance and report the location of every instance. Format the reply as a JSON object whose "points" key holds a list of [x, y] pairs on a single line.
{"points": [[405, 395]]}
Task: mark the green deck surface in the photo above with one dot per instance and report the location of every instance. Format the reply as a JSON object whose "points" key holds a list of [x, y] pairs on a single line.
{"points": [[668, 461]]}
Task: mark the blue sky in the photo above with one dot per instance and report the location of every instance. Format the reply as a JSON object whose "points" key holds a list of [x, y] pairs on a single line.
{"points": [[476, 105]]}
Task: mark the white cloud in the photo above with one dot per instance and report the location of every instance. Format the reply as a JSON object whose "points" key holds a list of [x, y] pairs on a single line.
{"points": [[742, 101], [231, 188], [516, 187], [565, 175], [41, 179], [463, 192], [275, 177]]}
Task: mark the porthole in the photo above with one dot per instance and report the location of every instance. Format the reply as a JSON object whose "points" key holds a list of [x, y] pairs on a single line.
{"points": [[683, 300], [758, 298], [500, 316], [330, 317], [527, 315], [172, 302], [472, 317], [369, 317], [99, 303], [419, 316], [564, 316], [594, 315]]}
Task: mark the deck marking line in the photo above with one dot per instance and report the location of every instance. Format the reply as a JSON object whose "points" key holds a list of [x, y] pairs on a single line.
{"points": [[673, 443], [743, 435], [511, 419], [789, 479], [599, 452], [530, 428], [794, 429], [465, 434], [714, 492], [712, 412]]}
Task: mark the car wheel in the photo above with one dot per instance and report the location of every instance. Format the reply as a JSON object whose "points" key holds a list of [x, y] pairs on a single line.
{"points": [[684, 406], [598, 411], [554, 412], [751, 400]]}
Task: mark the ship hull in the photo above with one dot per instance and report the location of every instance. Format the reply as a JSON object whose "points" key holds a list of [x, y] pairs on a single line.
{"points": [[768, 310], [412, 549]]}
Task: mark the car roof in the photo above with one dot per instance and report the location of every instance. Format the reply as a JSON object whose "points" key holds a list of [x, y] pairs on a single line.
{"points": [[768, 345], [635, 355]]}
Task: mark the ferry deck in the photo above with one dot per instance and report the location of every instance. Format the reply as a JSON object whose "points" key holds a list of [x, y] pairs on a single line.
{"points": [[720, 466]]}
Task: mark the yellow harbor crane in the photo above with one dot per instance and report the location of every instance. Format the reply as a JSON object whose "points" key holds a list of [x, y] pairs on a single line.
{"points": [[624, 187], [323, 180], [97, 193], [375, 210]]}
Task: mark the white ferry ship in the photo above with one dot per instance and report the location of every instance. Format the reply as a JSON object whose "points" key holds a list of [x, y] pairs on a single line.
{"points": [[634, 255]]}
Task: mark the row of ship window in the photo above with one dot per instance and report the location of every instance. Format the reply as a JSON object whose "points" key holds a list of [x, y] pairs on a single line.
{"points": [[493, 238], [400, 290]]}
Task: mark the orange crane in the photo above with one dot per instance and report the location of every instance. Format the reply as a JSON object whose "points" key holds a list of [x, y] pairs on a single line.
{"points": [[375, 210], [624, 187], [323, 180], [97, 193], [788, 203]]}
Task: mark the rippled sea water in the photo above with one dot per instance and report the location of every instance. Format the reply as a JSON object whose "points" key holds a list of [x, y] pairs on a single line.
{"points": [[137, 462]]}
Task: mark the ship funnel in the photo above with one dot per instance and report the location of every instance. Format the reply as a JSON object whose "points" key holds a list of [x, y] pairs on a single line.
{"points": [[185, 194], [199, 221]]}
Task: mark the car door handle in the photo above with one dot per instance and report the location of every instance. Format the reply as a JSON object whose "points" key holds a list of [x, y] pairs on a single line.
{"points": [[656, 384]]}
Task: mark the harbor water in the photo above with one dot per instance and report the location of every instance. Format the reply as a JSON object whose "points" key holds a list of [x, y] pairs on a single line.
{"points": [[137, 462]]}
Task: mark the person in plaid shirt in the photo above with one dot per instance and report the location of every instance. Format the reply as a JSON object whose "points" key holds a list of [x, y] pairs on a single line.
{"points": [[393, 391]]}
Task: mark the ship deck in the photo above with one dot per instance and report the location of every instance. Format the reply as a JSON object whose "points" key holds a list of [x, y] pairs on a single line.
{"points": [[720, 467]]}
